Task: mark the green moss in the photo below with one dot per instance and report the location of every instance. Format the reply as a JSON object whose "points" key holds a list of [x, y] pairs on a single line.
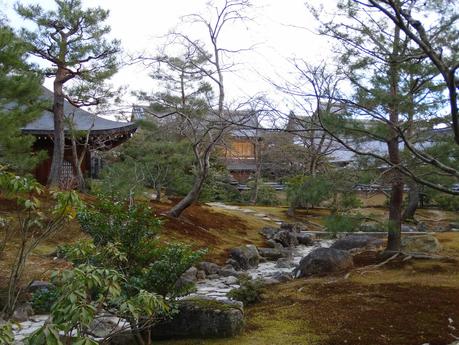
{"points": [[208, 304]]}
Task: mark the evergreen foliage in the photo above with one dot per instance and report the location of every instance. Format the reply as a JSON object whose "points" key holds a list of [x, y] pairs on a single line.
{"points": [[19, 102]]}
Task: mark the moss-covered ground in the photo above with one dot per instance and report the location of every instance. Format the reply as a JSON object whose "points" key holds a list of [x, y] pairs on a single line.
{"points": [[403, 302]]}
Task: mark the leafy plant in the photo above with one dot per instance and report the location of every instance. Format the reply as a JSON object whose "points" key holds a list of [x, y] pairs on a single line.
{"points": [[447, 202], [170, 263], [308, 191], [337, 223], [6, 334], [43, 299], [124, 271], [249, 292], [33, 226]]}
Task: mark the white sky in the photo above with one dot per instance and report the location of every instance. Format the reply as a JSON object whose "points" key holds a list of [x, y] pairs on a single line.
{"points": [[139, 24]]}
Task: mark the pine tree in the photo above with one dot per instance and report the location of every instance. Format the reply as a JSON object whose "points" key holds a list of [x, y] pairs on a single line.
{"points": [[19, 102], [73, 41]]}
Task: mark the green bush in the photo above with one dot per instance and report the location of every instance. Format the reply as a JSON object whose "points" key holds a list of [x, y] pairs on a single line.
{"points": [[337, 223], [308, 191], [124, 271], [447, 202], [43, 299], [132, 230], [249, 292], [267, 196]]}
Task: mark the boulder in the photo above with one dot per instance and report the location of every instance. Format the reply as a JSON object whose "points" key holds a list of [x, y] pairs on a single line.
{"points": [[305, 238], [37, 285], [453, 226], [408, 228], [371, 227], [22, 312], [268, 232], [201, 275], [228, 271], [272, 254], [350, 242], [420, 244], [102, 326], [187, 278], [323, 260], [233, 263], [295, 227], [208, 267], [283, 277], [246, 257], [201, 318], [422, 227], [286, 238], [284, 263]]}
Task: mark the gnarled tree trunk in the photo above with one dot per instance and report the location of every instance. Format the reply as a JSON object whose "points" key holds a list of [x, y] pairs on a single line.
{"points": [[413, 201], [59, 134]]}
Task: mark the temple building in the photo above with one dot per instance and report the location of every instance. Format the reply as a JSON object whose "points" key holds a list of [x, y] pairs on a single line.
{"points": [[99, 133]]}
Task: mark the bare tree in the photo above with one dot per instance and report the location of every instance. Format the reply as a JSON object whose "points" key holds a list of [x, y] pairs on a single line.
{"points": [[198, 118]]}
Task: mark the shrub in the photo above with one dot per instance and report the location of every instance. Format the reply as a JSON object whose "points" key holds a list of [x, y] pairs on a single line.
{"points": [[342, 223], [130, 230], [249, 292], [266, 196], [308, 191], [170, 263], [447, 202], [43, 299], [123, 271]]}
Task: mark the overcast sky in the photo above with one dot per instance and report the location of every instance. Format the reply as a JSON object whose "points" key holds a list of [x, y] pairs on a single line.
{"points": [[280, 30]]}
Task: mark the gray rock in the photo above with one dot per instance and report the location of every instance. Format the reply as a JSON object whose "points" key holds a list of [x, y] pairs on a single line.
{"points": [[231, 280], [408, 228], [189, 277], [284, 263], [286, 238], [453, 226], [232, 263], [246, 257], [208, 267], [105, 325], [201, 318], [283, 276], [305, 238], [39, 285], [272, 254], [295, 227], [213, 276], [371, 228], [201, 275], [422, 227], [271, 243], [420, 244], [22, 312], [270, 281], [323, 260], [268, 232], [227, 271], [350, 242]]}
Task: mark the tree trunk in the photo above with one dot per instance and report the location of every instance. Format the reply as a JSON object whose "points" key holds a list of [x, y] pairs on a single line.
{"points": [[191, 197], [77, 161], [396, 196], [256, 187], [413, 201], [59, 135], [158, 192]]}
